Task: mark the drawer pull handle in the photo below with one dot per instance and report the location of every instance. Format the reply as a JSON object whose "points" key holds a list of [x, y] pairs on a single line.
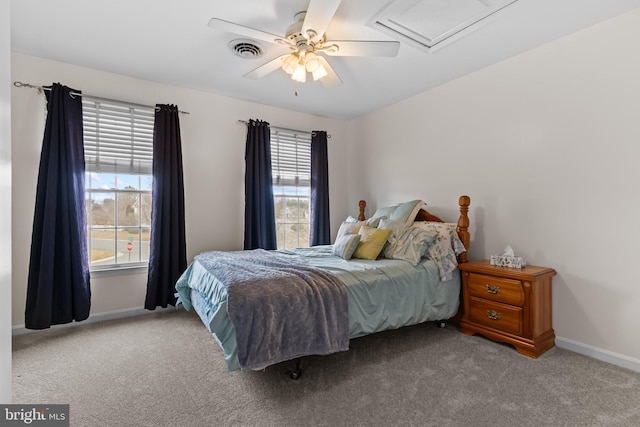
{"points": [[493, 315], [492, 289]]}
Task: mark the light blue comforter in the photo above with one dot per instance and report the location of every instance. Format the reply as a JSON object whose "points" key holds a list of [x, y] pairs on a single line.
{"points": [[382, 294], [280, 306]]}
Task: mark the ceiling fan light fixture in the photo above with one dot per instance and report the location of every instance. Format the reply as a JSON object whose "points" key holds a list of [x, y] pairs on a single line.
{"points": [[289, 63], [312, 63], [319, 73], [300, 74]]}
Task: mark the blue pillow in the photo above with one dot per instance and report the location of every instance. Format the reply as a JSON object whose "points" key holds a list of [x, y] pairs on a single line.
{"points": [[384, 212], [345, 245], [407, 211]]}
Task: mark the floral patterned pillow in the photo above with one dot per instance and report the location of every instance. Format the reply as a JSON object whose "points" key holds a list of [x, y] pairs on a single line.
{"points": [[446, 248], [410, 244]]}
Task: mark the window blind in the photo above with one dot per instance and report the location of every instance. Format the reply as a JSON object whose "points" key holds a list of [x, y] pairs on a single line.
{"points": [[290, 157], [118, 137]]}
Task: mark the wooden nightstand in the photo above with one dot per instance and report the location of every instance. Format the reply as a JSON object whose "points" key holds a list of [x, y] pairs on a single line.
{"points": [[508, 305]]}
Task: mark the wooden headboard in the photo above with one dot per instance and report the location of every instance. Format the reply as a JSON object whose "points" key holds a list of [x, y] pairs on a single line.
{"points": [[424, 215]]}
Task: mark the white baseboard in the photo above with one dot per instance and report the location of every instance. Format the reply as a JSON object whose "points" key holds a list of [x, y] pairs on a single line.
{"points": [[599, 354], [99, 317]]}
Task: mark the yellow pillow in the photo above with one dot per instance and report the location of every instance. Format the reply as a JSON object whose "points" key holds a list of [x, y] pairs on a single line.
{"points": [[372, 241]]}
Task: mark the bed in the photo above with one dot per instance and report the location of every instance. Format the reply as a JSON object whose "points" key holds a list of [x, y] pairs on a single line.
{"points": [[266, 307]]}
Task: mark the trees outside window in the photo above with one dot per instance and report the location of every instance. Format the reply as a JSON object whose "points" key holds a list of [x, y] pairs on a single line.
{"points": [[291, 170], [118, 218]]}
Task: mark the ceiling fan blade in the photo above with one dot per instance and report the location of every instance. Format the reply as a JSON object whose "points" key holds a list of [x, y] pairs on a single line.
{"points": [[363, 48], [331, 79], [221, 24], [319, 15], [265, 69]]}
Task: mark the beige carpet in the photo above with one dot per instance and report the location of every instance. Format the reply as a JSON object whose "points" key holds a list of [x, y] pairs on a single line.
{"points": [[164, 369]]}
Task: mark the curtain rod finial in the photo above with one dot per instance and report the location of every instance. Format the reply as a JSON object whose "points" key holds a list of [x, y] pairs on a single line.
{"points": [[20, 84]]}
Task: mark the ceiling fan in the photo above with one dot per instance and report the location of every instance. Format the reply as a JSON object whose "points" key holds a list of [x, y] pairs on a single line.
{"points": [[308, 44]]}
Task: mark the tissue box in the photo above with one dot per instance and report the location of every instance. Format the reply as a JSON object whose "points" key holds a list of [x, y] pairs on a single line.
{"points": [[508, 261]]}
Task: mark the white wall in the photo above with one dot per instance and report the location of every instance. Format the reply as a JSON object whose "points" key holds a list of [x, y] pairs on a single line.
{"points": [[213, 144], [547, 144], [5, 201]]}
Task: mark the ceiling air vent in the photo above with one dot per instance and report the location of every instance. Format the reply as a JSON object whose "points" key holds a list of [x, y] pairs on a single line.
{"points": [[247, 49]]}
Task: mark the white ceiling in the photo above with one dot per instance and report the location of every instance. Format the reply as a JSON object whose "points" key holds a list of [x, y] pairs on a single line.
{"points": [[169, 41]]}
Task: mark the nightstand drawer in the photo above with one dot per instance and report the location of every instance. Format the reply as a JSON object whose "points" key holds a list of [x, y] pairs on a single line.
{"points": [[504, 317], [499, 289]]}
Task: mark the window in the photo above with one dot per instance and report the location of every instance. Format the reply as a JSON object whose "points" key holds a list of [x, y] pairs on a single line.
{"points": [[291, 170], [118, 147]]}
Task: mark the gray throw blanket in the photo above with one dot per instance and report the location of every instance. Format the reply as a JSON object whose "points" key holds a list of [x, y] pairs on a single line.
{"points": [[280, 307]]}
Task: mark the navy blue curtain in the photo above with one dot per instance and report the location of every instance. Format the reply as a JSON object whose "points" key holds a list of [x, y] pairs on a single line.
{"points": [[168, 248], [58, 288], [259, 211], [319, 232]]}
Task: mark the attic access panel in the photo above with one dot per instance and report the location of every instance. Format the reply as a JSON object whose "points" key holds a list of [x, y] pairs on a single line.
{"points": [[427, 23]]}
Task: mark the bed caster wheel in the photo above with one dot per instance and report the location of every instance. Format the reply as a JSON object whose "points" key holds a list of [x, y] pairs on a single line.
{"points": [[296, 374]]}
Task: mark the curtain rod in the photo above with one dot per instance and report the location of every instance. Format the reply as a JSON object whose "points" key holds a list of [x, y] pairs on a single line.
{"points": [[41, 88], [279, 127]]}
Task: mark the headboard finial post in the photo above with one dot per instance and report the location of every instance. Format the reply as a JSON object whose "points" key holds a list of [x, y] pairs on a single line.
{"points": [[463, 226], [362, 204]]}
